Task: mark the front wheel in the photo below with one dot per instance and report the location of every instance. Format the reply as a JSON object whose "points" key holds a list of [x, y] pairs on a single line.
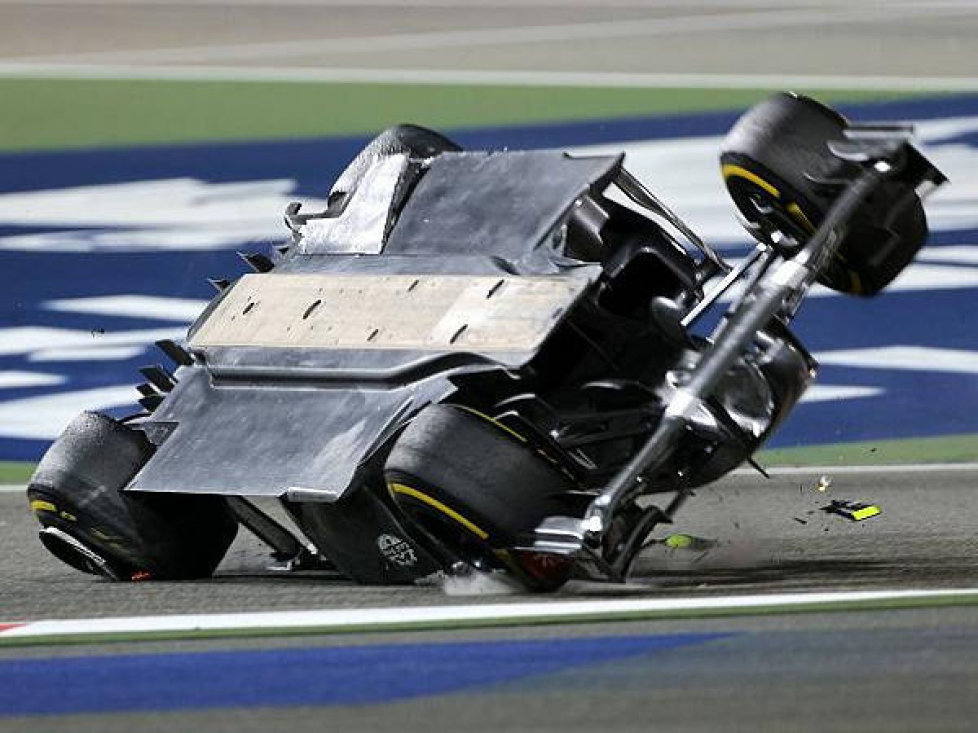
{"points": [[781, 173], [478, 487]]}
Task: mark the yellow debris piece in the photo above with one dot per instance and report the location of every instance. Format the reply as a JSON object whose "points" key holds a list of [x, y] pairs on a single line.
{"points": [[866, 512]]}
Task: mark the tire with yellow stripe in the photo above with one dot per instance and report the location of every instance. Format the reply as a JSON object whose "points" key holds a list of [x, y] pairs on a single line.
{"points": [[778, 168], [89, 523], [478, 488]]}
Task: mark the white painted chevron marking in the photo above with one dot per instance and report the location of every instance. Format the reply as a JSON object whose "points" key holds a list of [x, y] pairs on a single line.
{"points": [[959, 254], [28, 339], [13, 379], [80, 353], [833, 392], [164, 214], [182, 310], [913, 358], [44, 417], [927, 277], [167, 202]]}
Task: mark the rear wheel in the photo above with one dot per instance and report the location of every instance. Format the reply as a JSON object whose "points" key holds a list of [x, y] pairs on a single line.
{"points": [[90, 524], [781, 174], [478, 487]]}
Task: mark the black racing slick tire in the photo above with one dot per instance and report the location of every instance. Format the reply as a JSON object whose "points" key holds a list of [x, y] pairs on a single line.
{"points": [[90, 524], [478, 487], [781, 174]]}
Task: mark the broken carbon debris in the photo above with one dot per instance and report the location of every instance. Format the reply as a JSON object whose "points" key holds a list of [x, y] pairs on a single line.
{"points": [[688, 542], [852, 510]]}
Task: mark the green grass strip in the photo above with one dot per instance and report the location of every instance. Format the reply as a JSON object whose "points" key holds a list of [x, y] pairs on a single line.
{"points": [[487, 623], [942, 449], [16, 472], [58, 113]]}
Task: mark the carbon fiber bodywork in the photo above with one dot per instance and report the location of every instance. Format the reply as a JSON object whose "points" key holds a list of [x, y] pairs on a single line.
{"points": [[321, 407], [545, 302]]}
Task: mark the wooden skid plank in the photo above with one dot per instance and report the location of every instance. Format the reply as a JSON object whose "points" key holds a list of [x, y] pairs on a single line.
{"points": [[425, 312]]}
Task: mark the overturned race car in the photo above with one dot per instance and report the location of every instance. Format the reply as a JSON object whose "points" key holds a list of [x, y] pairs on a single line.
{"points": [[485, 360]]}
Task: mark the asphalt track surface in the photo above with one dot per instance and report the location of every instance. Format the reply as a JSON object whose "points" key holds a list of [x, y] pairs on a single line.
{"points": [[771, 536], [824, 37], [910, 669]]}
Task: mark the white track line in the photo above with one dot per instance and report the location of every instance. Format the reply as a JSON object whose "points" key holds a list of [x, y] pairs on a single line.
{"points": [[456, 4], [611, 80], [481, 4], [856, 470], [366, 619], [515, 35]]}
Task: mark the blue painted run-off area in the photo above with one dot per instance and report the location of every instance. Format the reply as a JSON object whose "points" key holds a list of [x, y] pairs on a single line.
{"points": [[290, 677], [152, 223]]}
